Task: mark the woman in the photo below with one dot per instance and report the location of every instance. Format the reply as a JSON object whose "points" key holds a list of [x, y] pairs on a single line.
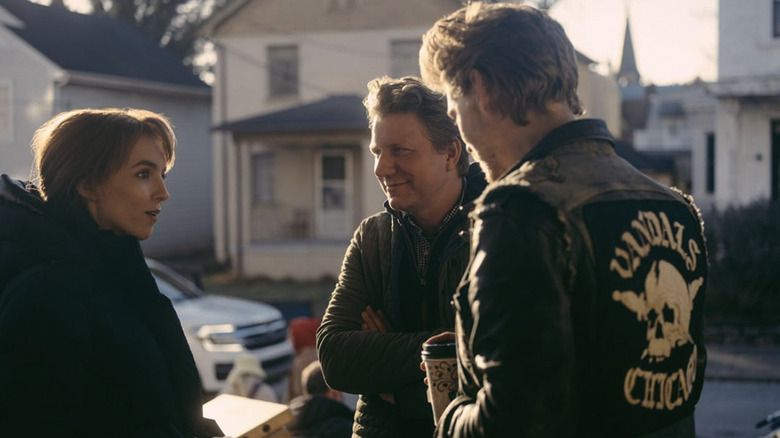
{"points": [[88, 345]]}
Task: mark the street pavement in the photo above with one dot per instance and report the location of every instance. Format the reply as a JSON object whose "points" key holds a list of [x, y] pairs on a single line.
{"points": [[742, 386], [743, 363]]}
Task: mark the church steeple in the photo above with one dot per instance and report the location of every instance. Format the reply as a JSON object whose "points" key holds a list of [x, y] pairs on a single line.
{"points": [[628, 74]]}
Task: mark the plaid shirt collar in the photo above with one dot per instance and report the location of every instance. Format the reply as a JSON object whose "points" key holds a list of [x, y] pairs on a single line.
{"points": [[422, 244]]}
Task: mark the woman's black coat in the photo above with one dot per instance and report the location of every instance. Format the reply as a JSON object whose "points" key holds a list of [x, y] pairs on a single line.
{"points": [[88, 345]]}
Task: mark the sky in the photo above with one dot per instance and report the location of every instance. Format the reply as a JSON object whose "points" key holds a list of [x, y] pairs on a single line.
{"points": [[675, 41]]}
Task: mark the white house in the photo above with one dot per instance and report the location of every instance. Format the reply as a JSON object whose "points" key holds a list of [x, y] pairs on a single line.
{"points": [[680, 127], [747, 140], [293, 175], [54, 60]]}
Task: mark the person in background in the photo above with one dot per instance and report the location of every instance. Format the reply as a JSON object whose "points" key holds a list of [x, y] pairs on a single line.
{"points": [[247, 379], [581, 313], [403, 264], [89, 347], [319, 412], [303, 335]]}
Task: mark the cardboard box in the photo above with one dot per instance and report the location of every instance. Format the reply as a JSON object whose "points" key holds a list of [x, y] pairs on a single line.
{"points": [[241, 417]]}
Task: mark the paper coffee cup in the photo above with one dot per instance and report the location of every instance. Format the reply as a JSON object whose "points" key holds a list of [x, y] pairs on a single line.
{"points": [[441, 368]]}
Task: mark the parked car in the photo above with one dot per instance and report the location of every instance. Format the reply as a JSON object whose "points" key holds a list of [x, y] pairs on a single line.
{"points": [[218, 328]]}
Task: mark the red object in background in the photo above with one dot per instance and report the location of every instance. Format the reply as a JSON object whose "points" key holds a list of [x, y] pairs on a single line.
{"points": [[303, 332]]}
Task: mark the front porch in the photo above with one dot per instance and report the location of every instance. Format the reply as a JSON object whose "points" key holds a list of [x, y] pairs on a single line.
{"points": [[300, 260]]}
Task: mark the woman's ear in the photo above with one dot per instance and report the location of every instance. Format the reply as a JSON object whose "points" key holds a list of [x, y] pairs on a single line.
{"points": [[86, 190]]}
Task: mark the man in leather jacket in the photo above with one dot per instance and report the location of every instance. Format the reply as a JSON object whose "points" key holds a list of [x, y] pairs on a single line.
{"points": [[581, 310], [402, 265]]}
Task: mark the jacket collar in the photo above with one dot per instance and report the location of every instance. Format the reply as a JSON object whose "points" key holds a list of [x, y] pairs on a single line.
{"points": [[15, 192], [577, 130]]}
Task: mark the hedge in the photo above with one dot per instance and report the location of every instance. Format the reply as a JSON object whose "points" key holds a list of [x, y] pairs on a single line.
{"points": [[744, 250]]}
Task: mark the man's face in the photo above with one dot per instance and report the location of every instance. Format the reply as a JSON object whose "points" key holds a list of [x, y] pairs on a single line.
{"points": [[471, 120], [409, 169]]}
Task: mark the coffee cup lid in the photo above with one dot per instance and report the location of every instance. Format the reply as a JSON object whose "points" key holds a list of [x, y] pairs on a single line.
{"points": [[438, 351]]}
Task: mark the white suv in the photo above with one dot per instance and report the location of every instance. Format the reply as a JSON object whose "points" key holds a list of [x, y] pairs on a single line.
{"points": [[218, 328]]}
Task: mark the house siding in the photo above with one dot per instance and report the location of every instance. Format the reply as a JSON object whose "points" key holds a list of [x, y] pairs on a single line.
{"points": [[186, 223], [330, 63], [744, 170], [42, 89], [746, 47], [31, 78], [600, 97], [749, 99]]}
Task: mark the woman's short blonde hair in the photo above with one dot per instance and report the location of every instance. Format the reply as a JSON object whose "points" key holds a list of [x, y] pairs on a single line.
{"points": [[89, 145]]}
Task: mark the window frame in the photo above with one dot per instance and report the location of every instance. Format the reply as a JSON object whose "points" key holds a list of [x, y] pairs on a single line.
{"points": [[710, 163], [283, 80], [263, 178]]}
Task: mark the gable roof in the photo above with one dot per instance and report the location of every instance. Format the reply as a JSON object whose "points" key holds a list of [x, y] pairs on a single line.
{"points": [[96, 44], [254, 17], [331, 114]]}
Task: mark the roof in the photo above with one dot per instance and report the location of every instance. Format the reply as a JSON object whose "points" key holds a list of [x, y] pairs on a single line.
{"points": [[251, 17], [643, 161], [331, 114], [628, 68], [96, 44]]}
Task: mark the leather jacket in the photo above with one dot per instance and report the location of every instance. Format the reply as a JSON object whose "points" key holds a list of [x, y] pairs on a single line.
{"points": [[581, 311]]}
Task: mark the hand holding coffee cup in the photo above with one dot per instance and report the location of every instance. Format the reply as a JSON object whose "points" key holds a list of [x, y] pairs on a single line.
{"points": [[441, 371]]}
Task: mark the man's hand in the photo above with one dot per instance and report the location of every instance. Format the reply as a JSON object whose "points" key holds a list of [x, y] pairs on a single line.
{"points": [[440, 338], [374, 321]]}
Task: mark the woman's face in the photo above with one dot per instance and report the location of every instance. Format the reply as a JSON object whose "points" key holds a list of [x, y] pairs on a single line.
{"points": [[129, 202]]}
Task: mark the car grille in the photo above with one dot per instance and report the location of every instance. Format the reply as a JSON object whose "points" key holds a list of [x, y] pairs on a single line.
{"points": [[262, 335]]}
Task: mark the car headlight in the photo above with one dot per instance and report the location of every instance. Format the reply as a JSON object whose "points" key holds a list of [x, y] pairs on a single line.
{"points": [[220, 337]]}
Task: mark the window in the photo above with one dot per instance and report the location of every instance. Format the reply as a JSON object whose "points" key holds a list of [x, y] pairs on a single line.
{"points": [[710, 184], [404, 56], [333, 196], [672, 127], [333, 176], [6, 119], [283, 71], [776, 15], [263, 178]]}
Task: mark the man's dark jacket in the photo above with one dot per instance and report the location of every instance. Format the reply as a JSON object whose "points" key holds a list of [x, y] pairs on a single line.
{"points": [[372, 363], [581, 313], [318, 416], [88, 345]]}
